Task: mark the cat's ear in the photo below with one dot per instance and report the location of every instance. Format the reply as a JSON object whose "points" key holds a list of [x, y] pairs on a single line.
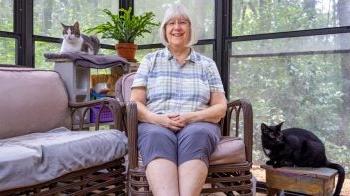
{"points": [[63, 25], [279, 126], [76, 24], [263, 127]]}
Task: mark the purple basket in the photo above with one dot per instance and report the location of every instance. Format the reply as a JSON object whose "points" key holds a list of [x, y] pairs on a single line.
{"points": [[106, 114]]}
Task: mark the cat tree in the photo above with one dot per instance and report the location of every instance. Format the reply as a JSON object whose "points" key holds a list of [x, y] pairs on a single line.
{"points": [[74, 68]]}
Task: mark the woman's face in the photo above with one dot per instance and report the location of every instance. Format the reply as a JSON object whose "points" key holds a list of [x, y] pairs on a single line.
{"points": [[178, 31]]}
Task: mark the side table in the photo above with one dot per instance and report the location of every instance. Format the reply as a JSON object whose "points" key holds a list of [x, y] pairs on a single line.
{"points": [[307, 180]]}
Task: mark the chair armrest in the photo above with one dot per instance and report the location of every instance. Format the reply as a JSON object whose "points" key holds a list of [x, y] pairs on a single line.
{"points": [[89, 103], [79, 111], [240, 106], [131, 127]]}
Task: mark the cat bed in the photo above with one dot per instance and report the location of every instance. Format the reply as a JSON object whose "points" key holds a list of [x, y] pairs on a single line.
{"points": [[90, 60]]}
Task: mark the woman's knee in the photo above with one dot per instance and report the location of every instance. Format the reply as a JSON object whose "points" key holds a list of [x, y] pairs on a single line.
{"points": [[156, 142], [197, 141]]}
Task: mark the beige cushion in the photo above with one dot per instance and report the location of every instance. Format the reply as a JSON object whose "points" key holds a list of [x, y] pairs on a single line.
{"points": [[31, 101], [229, 150], [38, 157]]}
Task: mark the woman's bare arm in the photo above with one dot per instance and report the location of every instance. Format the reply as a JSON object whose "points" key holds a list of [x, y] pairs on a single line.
{"points": [[216, 110]]}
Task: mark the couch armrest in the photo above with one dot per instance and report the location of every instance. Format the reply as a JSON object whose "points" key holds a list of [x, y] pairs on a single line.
{"points": [[240, 107], [79, 111]]}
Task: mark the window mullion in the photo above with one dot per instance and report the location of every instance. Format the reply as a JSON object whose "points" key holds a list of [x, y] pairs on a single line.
{"points": [[23, 26], [126, 4], [222, 31]]}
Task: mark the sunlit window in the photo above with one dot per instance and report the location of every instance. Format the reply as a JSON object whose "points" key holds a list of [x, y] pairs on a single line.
{"points": [[254, 17], [6, 15], [304, 85], [49, 14], [7, 50]]}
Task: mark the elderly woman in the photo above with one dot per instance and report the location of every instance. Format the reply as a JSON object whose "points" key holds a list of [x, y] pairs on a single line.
{"points": [[180, 99]]}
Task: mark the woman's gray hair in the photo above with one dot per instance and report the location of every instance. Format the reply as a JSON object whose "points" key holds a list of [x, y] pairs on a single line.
{"points": [[178, 10]]}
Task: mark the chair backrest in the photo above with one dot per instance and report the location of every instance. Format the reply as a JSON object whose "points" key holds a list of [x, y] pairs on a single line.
{"points": [[31, 101], [123, 87]]}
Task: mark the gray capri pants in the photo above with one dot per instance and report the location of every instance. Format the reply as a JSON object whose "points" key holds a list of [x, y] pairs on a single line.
{"points": [[195, 141]]}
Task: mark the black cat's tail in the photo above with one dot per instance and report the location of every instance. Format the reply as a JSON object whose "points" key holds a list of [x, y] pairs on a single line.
{"points": [[341, 176]]}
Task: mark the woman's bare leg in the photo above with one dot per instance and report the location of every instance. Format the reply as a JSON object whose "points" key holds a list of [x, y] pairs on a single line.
{"points": [[162, 177], [192, 175]]}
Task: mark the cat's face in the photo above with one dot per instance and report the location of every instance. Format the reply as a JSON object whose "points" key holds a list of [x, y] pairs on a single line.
{"points": [[272, 133], [71, 33]]}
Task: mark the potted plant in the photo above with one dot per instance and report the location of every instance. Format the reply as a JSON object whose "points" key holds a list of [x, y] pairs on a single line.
{"points": [[125, 28]]}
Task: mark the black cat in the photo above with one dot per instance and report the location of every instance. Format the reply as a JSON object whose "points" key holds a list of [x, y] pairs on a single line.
{"points": [[296, 147]]}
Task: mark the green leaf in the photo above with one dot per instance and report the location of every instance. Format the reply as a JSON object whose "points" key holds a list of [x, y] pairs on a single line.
{"points": [[124, 26]]}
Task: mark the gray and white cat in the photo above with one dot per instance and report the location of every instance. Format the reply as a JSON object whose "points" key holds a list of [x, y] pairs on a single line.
{"points": [[73, 41]]}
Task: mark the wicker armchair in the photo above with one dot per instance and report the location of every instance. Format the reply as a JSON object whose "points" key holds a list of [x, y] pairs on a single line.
{"points": [[39, 103], [229, 169]]}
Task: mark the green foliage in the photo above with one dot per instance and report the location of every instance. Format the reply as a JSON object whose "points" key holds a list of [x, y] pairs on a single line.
{"points": [[6, 15], [40, 49], [7, 51], [48, 14], [303, 90], [268, 16], [124, 26]]}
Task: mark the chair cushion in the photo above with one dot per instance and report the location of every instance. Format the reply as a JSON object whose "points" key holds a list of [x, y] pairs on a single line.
{"points": [[38, 157], [229, 150], [31, 101]]}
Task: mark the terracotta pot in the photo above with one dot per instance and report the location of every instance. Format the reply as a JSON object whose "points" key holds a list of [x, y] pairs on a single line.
{"points": [[127, 50]]}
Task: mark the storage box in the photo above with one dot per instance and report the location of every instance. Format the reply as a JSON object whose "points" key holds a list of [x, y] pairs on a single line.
{"points": [[106, 114], [110, 79]]}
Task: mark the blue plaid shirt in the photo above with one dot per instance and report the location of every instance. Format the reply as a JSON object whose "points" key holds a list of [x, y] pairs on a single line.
{"points": [[175, 88]]}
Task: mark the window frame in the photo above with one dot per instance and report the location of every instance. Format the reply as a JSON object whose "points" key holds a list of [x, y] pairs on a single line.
{"points": [[25, 38], [223, 38], [230, 40]]}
